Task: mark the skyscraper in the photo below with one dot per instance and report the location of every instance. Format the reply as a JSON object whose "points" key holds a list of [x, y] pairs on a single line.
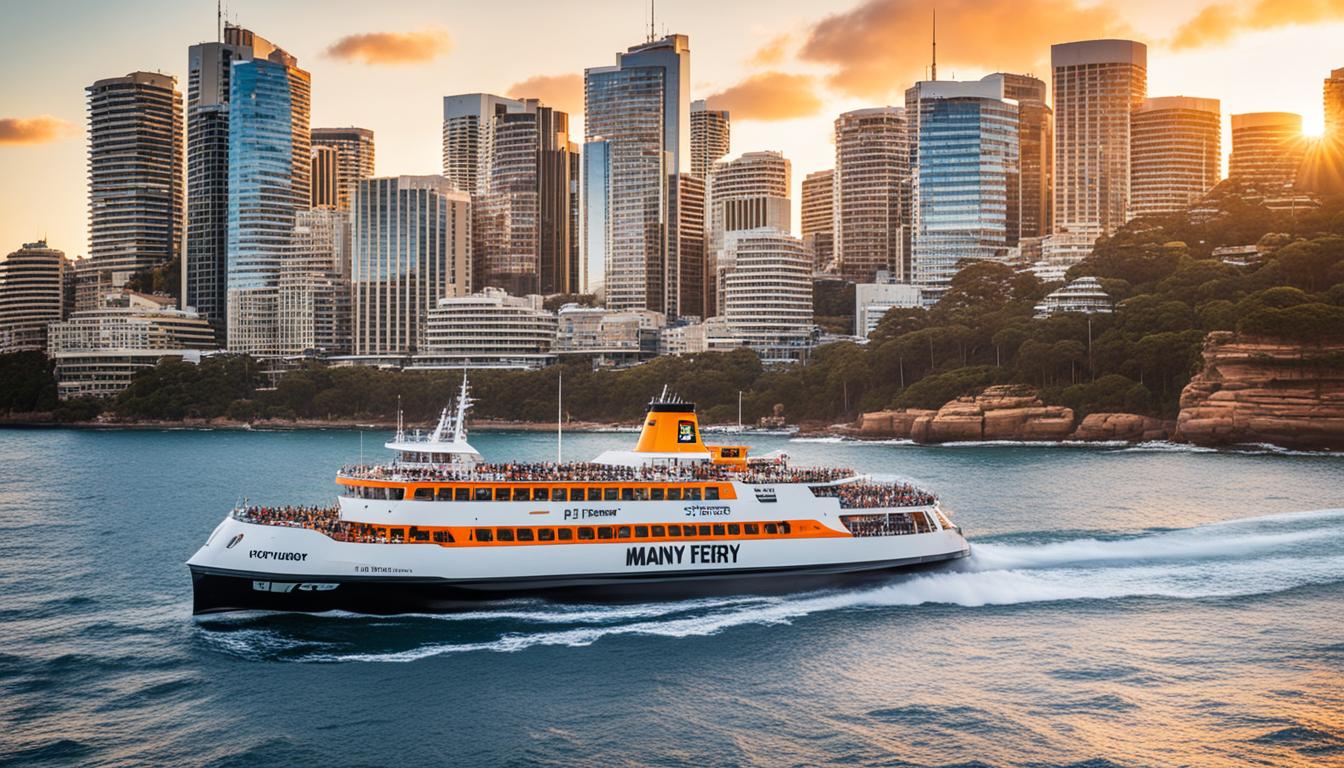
{"points": [[747, 192], [767, 293], [1267, 150], [467, 132], [354, 158], [872, 187], [270, 167], [314, 285], [325, 175], [638, 123], [964, 177], [818, 216], [1334, 106], [1097, 83], [411, 248], [710, 137], [1036, 156], [1176, 153], [135, 173], [523, 225], [687, 239], [32, 295], [204, 275]]}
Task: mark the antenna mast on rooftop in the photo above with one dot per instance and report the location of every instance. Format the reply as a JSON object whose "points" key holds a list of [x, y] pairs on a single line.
{"points": [[652, 34], [933, 70]]}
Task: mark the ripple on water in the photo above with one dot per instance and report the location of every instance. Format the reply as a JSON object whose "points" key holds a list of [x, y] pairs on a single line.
{"points": [[1304, 740]]}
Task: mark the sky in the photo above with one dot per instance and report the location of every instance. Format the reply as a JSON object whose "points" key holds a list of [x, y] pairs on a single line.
{"points": [[784, 68]]}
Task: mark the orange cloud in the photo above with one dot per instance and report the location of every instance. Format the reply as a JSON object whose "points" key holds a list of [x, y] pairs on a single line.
{"points": [[1219, 22], [33, 130], [392, 47], [564, 92], [868, 46], [769, 96], [772, 52]]}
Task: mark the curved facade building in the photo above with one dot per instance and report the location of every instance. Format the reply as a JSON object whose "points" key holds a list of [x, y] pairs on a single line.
{"points": [[31, 296], [1175, 153], [872, 187], [767, 293], [1267, 150], [748, 192], [489, 329]]}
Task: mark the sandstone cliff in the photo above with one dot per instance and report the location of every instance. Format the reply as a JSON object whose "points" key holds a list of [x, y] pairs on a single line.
{"points": [[1123, 426], [998, 413], [1265, 391]]}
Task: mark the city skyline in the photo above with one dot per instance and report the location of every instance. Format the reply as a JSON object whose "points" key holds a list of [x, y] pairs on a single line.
{"points": [[789, 67]]}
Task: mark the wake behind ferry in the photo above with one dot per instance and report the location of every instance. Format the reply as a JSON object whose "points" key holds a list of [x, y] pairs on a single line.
{"points": [[438, 527]]}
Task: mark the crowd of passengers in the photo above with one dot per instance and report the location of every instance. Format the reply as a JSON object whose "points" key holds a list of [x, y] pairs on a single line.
{"points": [[898, 524], [321, 519], [876, 495], [588, 472]]}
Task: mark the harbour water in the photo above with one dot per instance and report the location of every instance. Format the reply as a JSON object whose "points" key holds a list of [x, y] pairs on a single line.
{"points": [[1145, 605]]}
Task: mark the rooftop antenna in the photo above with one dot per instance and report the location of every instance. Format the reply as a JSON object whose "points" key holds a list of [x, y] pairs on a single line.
{"points": [[652, 3], [219, 21], [934, 68]]}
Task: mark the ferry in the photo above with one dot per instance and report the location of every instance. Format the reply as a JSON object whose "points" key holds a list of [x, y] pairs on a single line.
{"points": [[438, 528]]}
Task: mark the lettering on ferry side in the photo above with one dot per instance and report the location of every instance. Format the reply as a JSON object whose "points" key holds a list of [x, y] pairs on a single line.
{"points": [[270, 554], [714, 553], [585, 513], [703, 510], [656, 555]]}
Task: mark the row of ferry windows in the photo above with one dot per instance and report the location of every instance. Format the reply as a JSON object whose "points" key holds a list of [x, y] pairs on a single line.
{"points": [[595, 533], [523, 493]]}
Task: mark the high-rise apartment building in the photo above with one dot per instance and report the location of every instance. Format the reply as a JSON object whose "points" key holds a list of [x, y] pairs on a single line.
{"points": [[746, 193], [637, 142], [1097, 84], [872, 187], [767, 293], [1267, 150], [325, 184], [524, 221], [314, 285], [468, 120], [818, 216], [710, 137], [964, 177], [411, 249], [1175, 153], [1334, 106], [1036, 156], [354, 158], [210, 69], [270, 168], [687, 240], [135, 173], [32, 295]]}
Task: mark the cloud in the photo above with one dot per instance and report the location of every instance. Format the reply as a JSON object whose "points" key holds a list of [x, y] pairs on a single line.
{"points": [[769, 96], [1220, 22], [33, 130], [772, 52], [870, 51], [564, 92], [392, 47]]}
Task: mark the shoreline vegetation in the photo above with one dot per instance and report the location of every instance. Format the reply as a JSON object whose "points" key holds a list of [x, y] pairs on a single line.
{"points": [[1199, 349]]}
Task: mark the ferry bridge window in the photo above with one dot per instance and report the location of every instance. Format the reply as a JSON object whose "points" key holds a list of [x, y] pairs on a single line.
{"points": [[521, 494], [484, 534], [501, 494], [545, 534], [623, 532], [424, 494], [656, 493], [659, 531], [594, 494], [445, 494], [751, 528], [560, 494], [641, 531], [482, 494], [462, 494], [566, 534], [524, 534], [692, 494], [541, 494], [627, 494], [443, 537], [734, 529], [674, 530], [712, 493], [604, 532], [504, 534], [674, 494], [585, 534], [609, 494], [704, 530], [771, 529]]}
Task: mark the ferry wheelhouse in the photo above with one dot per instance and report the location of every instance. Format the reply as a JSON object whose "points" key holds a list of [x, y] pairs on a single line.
{"points": [[438, 527]]}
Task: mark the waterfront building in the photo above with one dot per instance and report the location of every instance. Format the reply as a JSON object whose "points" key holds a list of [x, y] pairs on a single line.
{"points": [[612, 337], [637, 142], [872, 300], [746, 193], [270, 169], [1175, 153], [964, 178], [32, 294], [314, 311], [136, 199], [1036, 156], [524, 219], [97, 352], [872, 188], [1083, 295], [818, 217], [687, 338], [354, 158], [1097, 86], [210, 69], [468, 120], [1267, 150], [325, 184], [767, 293], [710, 137], [489, 329], [411, 248]]}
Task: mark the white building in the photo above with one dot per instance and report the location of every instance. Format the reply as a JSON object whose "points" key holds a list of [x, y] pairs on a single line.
{"points": [[32, 294], [614, 337], [747, 192], [767, 293], [872, 300], [489, 329], [97, 352], [713, 335], [1082, 295], [314, 289]]}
